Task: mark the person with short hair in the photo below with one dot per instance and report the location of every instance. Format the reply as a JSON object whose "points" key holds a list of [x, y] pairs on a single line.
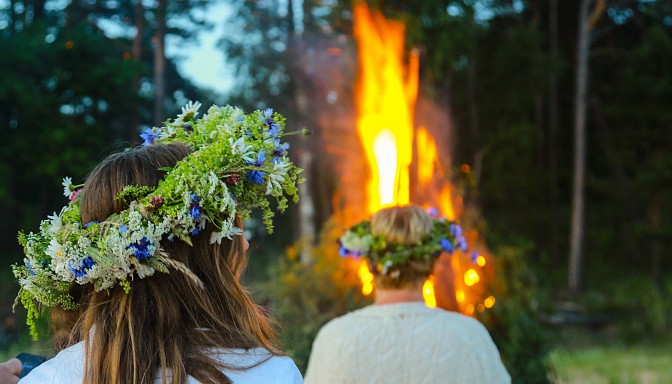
{"points": [[142, 268], [399, 339]]}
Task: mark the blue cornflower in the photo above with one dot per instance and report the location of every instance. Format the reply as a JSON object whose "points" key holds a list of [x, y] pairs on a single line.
{"points": [[256, 177], [84, 267], [30, 269], [462, 244], [148, 136], [447, 246], [343, 251], [268, 112], [474, 257], [261, 157], [273, 129], [433, 212], [195, 231], [90, 223], [456, 230], [196, 209], [123, 229], [141, 248], [280, 150]]}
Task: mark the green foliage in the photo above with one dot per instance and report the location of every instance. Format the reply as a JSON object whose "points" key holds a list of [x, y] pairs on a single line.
{"points": [[513, 321], [641, 310], [307, 295], [614, 364], [194, 194], [358, 241], [69, 97]]}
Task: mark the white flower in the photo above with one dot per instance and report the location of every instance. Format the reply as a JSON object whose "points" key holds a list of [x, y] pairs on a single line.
{"points": [[55, 250], [217, 237], [55, 224], [355, 243], [277, 175], [67, 184], [143, 270], [213, 182], [241, 147], [189, 111], [386, 267], [235, 231]]}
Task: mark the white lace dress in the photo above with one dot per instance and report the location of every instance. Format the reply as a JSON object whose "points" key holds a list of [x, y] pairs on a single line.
{"points": [[404, 343], [67, 367]]}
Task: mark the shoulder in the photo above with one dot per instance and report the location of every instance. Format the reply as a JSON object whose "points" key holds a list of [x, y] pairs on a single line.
{"points": [[259, 366], [66, 367]]}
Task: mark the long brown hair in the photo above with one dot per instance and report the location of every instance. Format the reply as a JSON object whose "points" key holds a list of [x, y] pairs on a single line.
{"points": [[166, 323]]}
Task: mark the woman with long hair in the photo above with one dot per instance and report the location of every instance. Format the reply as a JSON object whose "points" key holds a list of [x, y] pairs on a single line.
{"points": [[155, 296], [398, 339]]}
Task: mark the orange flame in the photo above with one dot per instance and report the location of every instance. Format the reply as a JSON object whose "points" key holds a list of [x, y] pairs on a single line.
{"points": [[386, 91]]}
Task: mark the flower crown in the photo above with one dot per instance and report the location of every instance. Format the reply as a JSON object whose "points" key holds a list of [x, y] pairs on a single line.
{"points": [[238, 162], [385, 257]]}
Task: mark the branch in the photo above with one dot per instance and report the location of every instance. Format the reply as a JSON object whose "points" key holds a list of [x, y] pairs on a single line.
{"points": [[597, 13]]}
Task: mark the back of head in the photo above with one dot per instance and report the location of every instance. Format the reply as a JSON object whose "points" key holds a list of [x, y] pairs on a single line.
{"points": [[166, 321], [403, 225]]}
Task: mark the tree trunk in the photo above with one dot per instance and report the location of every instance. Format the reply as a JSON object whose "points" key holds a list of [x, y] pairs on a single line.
{"points": [[656, 242], [474, 124], [38, 10], [306, 206], [12, 16], [159, 63], [139, 15], [553, 144], [577, 229]]}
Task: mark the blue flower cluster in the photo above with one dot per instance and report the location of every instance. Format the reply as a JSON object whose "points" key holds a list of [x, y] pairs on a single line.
{"points": [[196, 212], [148, 136], [280, 150], [141, 249], [273, 129], [256, 176], [84, 267], [344, 252], [460, 241]]}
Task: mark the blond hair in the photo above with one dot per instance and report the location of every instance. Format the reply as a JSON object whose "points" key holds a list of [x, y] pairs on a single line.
{"points": [[166, 323], [403, 225]]}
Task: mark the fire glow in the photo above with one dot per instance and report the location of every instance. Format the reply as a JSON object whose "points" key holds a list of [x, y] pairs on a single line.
{"points": [[386, 91]]}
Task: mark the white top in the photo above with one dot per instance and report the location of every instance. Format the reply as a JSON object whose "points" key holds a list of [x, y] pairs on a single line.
{"points": [[404, 343], [67, 367]]}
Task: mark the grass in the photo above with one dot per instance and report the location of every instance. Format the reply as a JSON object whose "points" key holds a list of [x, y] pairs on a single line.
{"points": [[639, 364]]}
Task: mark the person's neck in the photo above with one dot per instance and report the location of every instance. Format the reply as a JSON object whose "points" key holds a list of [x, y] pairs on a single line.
{"points": [[393, 296]]}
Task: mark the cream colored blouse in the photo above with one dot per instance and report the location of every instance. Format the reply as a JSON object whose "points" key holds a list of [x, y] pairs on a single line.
{"points": [[404, 343]]}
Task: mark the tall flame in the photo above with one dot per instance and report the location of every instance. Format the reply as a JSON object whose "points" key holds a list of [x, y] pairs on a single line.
{"points": [[386, 91]]}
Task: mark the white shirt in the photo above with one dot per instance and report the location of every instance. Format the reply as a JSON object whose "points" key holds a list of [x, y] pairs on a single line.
{"points": [[404, 343], [67, 367]]}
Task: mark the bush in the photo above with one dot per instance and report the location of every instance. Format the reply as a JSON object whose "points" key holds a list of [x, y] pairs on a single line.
{"points": [[307, 295], [513, 323]]}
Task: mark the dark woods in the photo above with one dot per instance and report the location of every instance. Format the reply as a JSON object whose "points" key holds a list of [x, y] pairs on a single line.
{"points": [[78, 82]]}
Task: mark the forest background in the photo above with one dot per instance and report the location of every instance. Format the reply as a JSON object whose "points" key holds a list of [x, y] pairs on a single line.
{"points": [[588, 257]]}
